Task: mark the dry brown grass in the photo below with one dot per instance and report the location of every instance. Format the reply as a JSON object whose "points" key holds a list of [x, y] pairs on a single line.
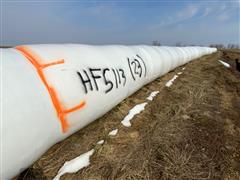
{"points": [[190, 131]]}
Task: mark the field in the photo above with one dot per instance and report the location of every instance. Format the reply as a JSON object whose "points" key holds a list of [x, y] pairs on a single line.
{"points": [[190, 130]]}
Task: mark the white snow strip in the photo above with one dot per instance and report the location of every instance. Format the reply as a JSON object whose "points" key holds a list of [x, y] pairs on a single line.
{"points": [[170, 82], [75, 164], [100, 142], [135, 110], [152, 95], [113, 132], [183, 68], [179, 73], [225, 64]]}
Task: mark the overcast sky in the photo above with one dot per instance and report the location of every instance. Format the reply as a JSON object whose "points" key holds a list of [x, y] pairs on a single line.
{"points": [[120, 22]]}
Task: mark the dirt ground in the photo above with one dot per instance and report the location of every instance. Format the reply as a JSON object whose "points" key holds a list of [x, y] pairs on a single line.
{"points": [[190, 130]]}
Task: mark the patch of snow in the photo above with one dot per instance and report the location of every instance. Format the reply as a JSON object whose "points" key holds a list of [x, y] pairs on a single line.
{"points": [[183, 68], [100, 142], [135, 110], [152, 95], [179, 73], [225, 64], [170, 82], [75, 164], [113, 132]]}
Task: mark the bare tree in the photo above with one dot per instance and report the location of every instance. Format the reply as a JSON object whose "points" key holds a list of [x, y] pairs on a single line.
{"points": [[156, 43], [233, 46], [179, 44], [218, 46]]}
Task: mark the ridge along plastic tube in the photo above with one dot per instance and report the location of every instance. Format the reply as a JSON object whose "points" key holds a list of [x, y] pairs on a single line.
{"points": [[51, 91]]}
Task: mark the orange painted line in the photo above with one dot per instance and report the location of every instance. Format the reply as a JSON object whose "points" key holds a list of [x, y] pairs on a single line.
{"points": [[80, 106], [53, 63], [36, 62]]}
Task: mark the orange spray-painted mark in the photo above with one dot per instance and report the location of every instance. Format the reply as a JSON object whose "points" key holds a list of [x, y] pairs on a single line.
{"points": [[37, 63]]}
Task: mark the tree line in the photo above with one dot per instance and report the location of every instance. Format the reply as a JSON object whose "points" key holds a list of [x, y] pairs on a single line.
{"points": [[218, 46]]}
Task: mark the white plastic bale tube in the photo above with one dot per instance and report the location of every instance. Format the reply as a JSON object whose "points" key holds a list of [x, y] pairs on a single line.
{"points": [[51, 91]]}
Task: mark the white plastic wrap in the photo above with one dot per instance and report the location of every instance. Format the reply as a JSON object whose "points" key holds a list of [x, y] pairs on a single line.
{"points": [[51, 91]]}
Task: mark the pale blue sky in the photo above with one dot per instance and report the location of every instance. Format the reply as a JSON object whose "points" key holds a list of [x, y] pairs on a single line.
{"points": [[120, 22]]}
